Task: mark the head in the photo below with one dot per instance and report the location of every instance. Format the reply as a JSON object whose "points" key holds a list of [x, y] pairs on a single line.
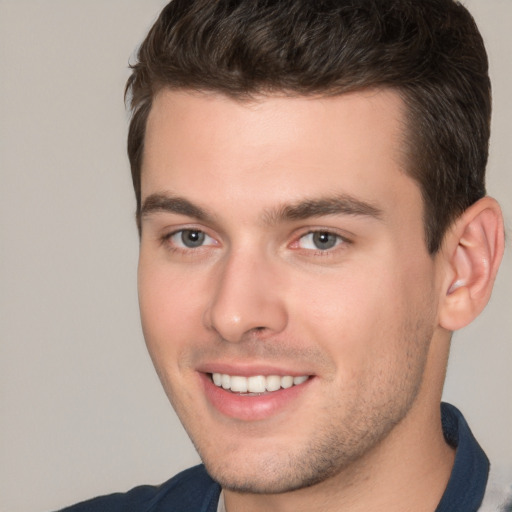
{"points": [[430, 53], [297, 167]]}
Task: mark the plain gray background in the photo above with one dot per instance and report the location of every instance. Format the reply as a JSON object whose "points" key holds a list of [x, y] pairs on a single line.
{"points": [[81, 410]]}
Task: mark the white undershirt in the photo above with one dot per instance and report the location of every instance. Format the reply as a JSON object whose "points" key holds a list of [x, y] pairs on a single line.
{"points": [[221, 507]]}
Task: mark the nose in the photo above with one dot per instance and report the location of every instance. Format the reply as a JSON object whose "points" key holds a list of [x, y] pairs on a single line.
{"points": [[247, 299]]}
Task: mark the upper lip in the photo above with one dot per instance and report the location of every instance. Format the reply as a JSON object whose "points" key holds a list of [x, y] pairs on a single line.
{"points": [[250, 369]]}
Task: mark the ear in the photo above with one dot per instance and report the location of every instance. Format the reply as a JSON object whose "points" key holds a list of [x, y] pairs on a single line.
{"points": [[472, 252]]}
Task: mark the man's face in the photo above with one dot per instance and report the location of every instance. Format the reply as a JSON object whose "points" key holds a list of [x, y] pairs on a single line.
{"points": [[283, 257]]}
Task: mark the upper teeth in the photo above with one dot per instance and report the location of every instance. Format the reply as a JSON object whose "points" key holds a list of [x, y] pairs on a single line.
{"points": [[256, 383]]}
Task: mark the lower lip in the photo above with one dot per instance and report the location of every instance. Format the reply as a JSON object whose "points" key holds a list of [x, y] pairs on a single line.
{"points": [[252, 407]]}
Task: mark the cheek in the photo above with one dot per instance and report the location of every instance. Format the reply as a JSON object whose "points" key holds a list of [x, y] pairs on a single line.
{"points": [[344, 305], [171, 306], [171, 317], [341, 316], [360, 318]]}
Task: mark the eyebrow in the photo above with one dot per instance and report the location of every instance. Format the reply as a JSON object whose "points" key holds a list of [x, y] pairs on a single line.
{"points": [[342, 204], [157, 203]]}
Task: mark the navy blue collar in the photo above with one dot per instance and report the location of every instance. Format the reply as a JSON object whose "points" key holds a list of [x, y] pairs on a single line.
{"points": [[466, 487]]}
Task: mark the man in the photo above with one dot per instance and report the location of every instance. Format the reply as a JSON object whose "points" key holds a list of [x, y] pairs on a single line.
{"points": [[313, 227]]}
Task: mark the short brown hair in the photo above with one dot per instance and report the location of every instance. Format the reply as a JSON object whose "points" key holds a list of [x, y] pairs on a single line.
{"points": [[430, 51]]}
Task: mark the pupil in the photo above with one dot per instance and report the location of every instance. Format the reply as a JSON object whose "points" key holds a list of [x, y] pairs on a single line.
{"points": [[192, 238], [324, 240]]}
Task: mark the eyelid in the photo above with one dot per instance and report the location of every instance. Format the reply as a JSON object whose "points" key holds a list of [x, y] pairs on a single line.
{"points": [[343, 240], [166, 238]]}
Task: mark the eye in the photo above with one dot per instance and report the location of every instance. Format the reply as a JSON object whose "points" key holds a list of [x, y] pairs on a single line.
{"points": [[190, 239], [319, 241]]}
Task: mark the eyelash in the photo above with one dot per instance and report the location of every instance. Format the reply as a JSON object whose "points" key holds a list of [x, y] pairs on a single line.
{"points": [[340, 240], [167, 239], [341, 243]]}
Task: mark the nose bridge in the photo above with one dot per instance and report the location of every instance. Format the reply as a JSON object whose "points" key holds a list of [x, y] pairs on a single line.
{"points": [[247, 296]]}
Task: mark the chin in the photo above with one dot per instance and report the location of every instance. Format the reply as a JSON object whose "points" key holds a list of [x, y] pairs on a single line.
{"points": [[271, 480], [276, 472]]}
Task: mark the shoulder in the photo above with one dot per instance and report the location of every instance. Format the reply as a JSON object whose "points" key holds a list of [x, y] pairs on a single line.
{"points": [[193, 489]]}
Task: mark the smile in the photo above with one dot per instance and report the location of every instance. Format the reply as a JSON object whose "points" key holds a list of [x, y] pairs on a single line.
{"points": [[256, 383]]}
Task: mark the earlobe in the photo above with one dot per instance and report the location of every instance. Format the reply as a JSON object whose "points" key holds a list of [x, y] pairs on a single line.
{"points": [[473, 250]]}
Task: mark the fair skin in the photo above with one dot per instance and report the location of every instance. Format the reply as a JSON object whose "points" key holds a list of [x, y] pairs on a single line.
{"points": [[282, 239]]}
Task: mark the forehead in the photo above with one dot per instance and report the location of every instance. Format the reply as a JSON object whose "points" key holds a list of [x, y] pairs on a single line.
{"points": [[265, 120], [278, 146]]}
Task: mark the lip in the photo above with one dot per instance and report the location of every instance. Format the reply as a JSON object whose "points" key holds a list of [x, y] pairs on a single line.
{"points": [[248, 370], [253, 407]]}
